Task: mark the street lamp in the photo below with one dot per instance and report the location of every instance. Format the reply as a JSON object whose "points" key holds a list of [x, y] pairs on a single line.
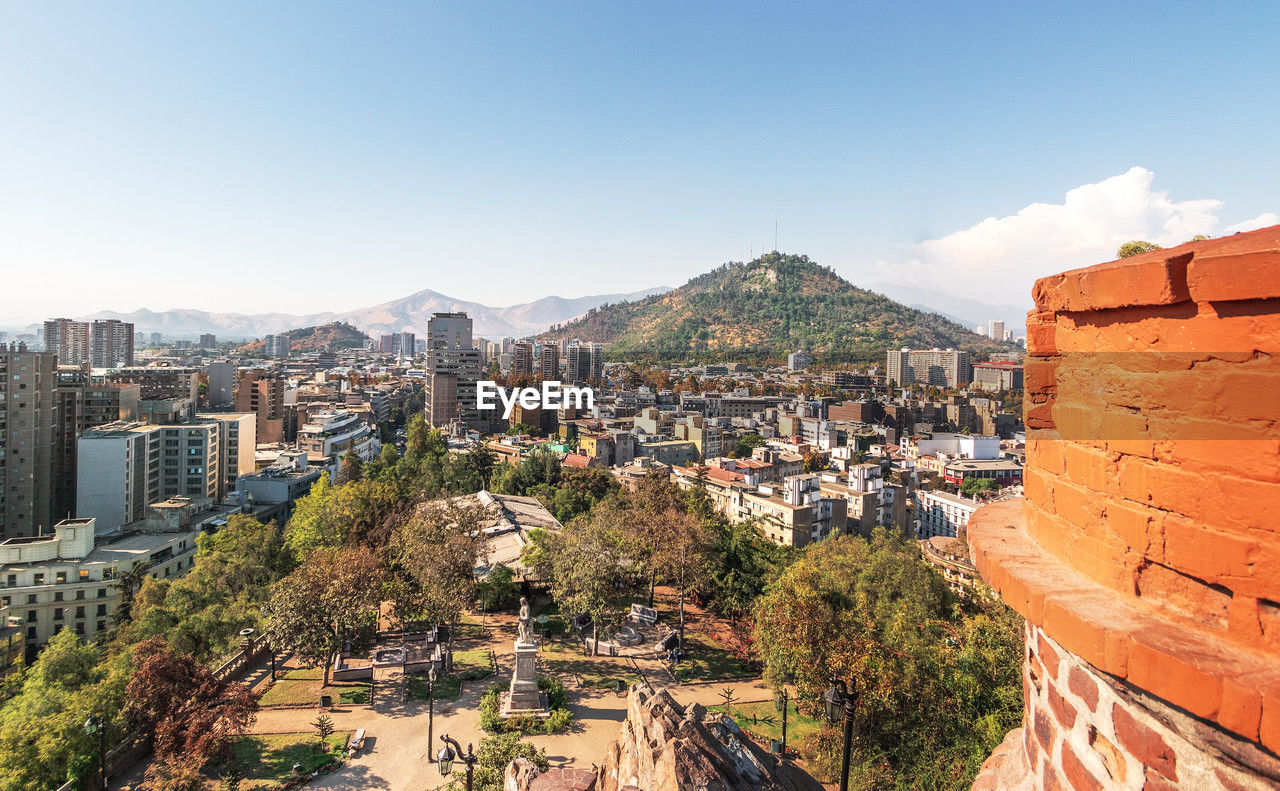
{"points": [[431, 709], [95, 725], [448, 752], [781, 705], [840, 702]]}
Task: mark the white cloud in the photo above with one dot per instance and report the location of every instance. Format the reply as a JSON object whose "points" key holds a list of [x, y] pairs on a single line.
{"points": [[998, 259], [1261, 221]]}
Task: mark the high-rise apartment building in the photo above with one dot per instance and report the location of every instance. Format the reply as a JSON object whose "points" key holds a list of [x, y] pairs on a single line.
{"points": [[276, 346], [549, 361], [68, 339], [110, 344], [932, 367], [453, 368], [222, 382], [262, 392], [584, 362], [28, 439], [208, 341], [522, 358], [996, 329]]}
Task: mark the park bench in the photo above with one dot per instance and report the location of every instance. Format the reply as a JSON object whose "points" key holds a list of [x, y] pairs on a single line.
{"points": [[357, 741]]}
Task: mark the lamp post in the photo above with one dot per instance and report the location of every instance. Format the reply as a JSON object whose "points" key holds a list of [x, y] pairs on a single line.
{"points": [[95, 725], [431, 709], [840, 704], [781, 705], [448, 752]]}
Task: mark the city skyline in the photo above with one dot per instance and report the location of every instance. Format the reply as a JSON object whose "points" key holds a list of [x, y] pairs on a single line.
{"points": [[254, 145]]}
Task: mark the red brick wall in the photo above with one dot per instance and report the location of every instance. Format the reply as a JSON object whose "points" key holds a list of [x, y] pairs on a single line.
{"points": [[1153, 395]]}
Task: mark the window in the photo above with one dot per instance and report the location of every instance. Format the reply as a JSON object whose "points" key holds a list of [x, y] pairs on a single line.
{"points": [[80, 612], [84, 575], [39, 579], [102, 625], [31, 616], [62, 577], [80, 593], [57, 595], [57, 613], [31, 633], [12, 581], [31, 598], [102, 593], [102, 609]]}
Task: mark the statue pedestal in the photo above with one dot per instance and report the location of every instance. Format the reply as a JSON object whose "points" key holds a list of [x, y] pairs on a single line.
{"points": [[524, 697]]}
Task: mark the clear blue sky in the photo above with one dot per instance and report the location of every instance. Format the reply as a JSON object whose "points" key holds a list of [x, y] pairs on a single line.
{"points": [[302, 157]]}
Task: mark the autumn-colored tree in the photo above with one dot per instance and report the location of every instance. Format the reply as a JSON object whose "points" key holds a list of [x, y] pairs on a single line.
{"points": [[190, 713], [325, 601]]}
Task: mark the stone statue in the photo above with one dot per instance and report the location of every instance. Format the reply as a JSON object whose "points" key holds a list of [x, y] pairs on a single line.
{"points": [[525, 624]]}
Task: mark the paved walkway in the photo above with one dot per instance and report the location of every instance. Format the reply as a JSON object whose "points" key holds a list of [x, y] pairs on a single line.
{"points": [[395, 756]]}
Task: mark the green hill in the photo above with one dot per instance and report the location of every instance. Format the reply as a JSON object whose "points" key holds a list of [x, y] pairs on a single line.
{"points": [[760, 311]]}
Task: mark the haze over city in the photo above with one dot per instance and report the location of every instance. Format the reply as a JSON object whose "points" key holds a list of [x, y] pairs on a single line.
{"points": [[564, 150]]}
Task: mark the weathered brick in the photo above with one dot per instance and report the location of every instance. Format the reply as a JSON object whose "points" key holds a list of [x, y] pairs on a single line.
{"points": [[1083, 687], [1044, 728], [1064, 711], [1080, 778], [1047, 655], [1143, 743], [1253, 275]]}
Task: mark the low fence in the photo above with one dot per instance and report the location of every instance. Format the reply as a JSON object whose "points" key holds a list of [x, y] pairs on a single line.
{"points": [[134, 746]]}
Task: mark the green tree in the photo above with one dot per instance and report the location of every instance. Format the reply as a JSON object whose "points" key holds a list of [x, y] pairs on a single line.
{"points": [[435, 554], [334, 594], [352, 467], [129, 583], [926, 668], [1135, 247], [42, 738], [324, 728], [493, 757]]}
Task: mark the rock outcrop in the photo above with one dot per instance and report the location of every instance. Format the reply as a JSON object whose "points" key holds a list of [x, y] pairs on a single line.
{"points": [[663, 746]]}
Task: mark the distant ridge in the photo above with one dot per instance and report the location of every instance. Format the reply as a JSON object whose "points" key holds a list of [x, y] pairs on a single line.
{"points": [[762, 310], [405, 314]]}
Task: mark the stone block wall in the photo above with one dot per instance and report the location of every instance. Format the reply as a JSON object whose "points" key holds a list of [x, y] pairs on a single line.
{"points": [[1147, 548]]}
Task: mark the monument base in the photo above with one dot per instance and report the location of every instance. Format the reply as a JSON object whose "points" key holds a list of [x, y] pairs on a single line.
{"points": [[523, 707]]}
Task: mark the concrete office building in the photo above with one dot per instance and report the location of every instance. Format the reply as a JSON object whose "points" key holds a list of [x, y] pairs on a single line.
{"points": [[996, 330], [453, 368], [29, 430], [237, 444], [122, 468]]}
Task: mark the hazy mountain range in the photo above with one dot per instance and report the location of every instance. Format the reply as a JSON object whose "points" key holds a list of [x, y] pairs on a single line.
{"points": [[406, 314], [969, 312]]}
